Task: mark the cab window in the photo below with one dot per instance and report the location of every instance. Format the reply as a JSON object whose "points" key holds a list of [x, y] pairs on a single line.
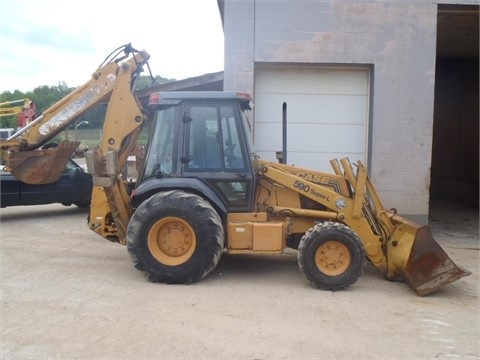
{"points": [[213, 140], [161, 147]]}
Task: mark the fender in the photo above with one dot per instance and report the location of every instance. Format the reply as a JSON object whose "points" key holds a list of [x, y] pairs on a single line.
{"points": [[152, 186]]}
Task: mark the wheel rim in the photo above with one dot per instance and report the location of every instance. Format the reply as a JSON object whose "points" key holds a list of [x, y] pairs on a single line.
{"points": [[171, 241], [332, 258]]}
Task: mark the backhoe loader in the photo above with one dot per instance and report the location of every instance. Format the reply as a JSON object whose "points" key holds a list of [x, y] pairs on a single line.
{"points": [[25, 112], [203, 192]]}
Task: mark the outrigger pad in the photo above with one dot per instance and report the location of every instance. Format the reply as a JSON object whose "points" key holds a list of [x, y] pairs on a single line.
{"points": [[42, 166]]}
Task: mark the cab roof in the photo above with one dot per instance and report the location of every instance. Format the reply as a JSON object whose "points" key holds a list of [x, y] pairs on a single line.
{"points": [[176, 97]]}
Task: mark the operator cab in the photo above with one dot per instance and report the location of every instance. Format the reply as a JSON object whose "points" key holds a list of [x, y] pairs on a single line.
{"points": [[202, 136]]}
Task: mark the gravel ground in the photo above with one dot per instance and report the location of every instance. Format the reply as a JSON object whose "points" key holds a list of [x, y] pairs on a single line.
{"points": [[68, 294]]}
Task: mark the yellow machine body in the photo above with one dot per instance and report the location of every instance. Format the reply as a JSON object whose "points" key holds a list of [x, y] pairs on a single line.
{"points": [[335, 221], [399, 249]]}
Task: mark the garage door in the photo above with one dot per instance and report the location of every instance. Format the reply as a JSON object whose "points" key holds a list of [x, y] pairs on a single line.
{"points": [[327, 111]]}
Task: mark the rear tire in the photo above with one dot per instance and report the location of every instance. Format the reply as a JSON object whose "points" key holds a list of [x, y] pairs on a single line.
{"points": [[176, 237], [331, 256]]}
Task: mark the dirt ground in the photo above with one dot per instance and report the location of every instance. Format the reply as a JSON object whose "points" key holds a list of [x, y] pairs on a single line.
{"points": [[68, 294]]}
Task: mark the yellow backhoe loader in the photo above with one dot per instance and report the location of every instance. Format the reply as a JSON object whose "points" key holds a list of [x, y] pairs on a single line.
{"points": [[25, 110], [202, 191]]}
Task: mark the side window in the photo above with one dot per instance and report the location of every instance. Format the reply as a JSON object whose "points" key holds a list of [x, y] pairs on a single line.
{"points": [[204, 149], [234, 191], [232, 150], [213, 142]]}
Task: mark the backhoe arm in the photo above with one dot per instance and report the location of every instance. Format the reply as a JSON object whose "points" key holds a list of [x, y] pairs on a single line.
{"points": [[110, 209], [21, 152]]}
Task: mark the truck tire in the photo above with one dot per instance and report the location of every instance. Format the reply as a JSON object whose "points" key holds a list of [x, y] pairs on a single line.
{"points": [[81, 204], [331, 256], [176, 237]]}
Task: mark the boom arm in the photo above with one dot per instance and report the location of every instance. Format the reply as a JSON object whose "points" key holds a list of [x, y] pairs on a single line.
{"points": [[34, 166], [110, 209]]}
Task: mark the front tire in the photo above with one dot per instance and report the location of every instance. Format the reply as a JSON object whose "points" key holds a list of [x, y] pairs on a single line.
{"points": [[331, 256], [175, 237]]}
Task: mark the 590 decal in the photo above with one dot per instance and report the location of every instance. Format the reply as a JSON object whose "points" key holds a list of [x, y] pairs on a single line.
{"points": [[301, 186], [307, 189]]}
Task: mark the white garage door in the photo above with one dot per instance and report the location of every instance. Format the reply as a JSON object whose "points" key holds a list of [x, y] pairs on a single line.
{"points": [[327, 114]]}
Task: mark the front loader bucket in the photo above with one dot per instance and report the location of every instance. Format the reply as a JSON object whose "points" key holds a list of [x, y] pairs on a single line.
{"points": [[42, 166], [414, 256]]}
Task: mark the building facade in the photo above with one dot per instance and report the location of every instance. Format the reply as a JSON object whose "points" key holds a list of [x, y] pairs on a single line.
{"points": [[355, 79]]}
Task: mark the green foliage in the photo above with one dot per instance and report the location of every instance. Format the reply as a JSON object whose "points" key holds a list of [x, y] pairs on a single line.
{"points": [[45, 96], [8, 122], [146, 81]]}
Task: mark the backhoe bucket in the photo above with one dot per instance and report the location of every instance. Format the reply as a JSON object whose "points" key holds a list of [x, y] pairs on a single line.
{"points": [[42, 166], [414, 256]]}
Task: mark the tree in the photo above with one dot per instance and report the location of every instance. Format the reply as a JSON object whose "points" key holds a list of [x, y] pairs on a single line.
{"points": [[45, 96], [146, 81]]}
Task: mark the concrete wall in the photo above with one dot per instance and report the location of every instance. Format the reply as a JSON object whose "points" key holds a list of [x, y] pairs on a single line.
{"points": [[397, 37]]}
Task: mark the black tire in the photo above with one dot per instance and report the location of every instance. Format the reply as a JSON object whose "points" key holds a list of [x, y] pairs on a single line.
{"points": [[331, 256], [82, 204], [175, 237], [49, 146]]}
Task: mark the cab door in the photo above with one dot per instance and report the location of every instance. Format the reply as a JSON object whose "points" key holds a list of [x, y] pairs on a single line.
{"points": [[215, 151]]}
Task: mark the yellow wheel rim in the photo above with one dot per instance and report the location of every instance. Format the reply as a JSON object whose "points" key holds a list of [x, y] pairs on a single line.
{"points": [[171, 241], [332, 258]]}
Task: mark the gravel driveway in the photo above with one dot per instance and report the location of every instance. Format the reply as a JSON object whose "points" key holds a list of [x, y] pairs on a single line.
{"points": [[69, 294]]}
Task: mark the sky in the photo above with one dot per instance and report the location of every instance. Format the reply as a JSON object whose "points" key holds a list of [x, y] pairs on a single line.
{"points": [[46, 42]]}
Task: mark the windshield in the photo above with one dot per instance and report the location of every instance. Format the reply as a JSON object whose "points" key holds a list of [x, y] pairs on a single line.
{"points": [[160, 152]]}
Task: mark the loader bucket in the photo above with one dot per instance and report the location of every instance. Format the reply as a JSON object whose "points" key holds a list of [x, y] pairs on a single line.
{"points": [[42, 166], [414, 256]]}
